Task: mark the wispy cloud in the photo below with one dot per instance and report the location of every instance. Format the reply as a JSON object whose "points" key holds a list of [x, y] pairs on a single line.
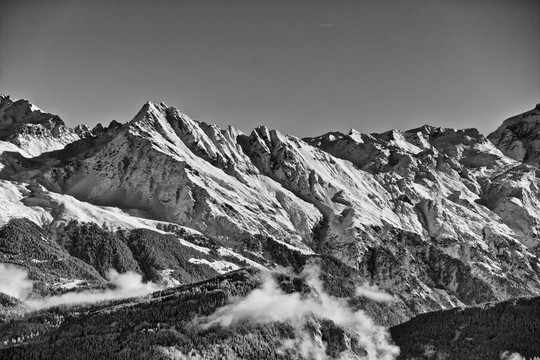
{"points": [[269, 303], [125, 285], [14, 282], [327, 25], [373, 293]]}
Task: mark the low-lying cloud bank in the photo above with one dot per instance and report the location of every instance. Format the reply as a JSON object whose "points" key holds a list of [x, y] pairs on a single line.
{"points": [[266, 304], [126, 285], [14, 282], [269, 303]]}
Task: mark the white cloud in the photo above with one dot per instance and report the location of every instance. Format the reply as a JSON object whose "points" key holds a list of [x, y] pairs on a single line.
{"points": [[269, 303], [126, 285], [373, 293], [14, 281]]}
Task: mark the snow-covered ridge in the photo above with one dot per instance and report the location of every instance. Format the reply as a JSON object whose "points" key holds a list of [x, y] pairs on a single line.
{"points": [[441, 216], [33, 131]]}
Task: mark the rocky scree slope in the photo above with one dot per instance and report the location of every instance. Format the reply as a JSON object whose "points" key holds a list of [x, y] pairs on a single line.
{"points": [[437, 217]]}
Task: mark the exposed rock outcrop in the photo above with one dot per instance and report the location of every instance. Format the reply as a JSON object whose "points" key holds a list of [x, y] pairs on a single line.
{"points": [[519, 137]]}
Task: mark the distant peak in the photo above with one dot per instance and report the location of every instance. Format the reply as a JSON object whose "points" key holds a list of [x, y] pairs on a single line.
{"points": [[114, 124], [356, 135], [262, 128], [150, 108], [5, 100], [425, 129], [160, 104]]}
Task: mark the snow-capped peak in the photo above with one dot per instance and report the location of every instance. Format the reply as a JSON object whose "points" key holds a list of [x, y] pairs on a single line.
{"points": [[26, 129], [430, 213]]}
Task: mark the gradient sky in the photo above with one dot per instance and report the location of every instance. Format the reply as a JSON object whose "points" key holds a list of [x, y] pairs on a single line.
{"points": [[302, 67]]}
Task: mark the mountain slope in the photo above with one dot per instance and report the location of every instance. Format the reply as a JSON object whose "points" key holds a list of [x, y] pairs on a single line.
{"points": [[439, 217], [467, 197], [146, 168]]}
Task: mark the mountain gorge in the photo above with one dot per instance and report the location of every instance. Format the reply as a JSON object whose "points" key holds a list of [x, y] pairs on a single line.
{"points": [[434, 218]]}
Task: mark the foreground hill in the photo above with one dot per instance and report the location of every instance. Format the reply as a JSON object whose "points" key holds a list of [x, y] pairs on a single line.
{"points": [[489, 331]]}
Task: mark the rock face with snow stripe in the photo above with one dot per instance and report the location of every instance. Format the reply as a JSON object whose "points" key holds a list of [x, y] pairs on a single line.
{"points": [[461, 196], [353, 202], [439, 179], [456, 183], [146, 167], [218, 147]]}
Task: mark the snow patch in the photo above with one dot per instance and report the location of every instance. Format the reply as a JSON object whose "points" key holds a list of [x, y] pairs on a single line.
{"points": [[167, 279], [193, 246], [220, 266], [72, 284], [36, 261], [228, 252]]}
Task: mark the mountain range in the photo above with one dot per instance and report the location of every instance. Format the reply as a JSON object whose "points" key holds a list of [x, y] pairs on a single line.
{"points": [[383, 227]]}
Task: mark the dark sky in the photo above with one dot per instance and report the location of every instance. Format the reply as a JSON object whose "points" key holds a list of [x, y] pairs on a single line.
{"points": [[302, 67]]}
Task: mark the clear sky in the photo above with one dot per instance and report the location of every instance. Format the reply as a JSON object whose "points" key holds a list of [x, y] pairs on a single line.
{"points": [[302, 67]]}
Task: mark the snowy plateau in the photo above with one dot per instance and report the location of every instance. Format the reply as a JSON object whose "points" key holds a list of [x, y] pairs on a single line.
{"points": [[356, 232]]}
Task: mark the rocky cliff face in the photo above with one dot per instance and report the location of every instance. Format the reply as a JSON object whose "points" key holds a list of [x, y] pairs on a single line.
{"points": [[519, 137], [438, 217]]}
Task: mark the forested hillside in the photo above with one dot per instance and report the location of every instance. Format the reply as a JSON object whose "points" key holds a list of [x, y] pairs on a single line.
{"points": [[480, 332], [179, 321]]}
